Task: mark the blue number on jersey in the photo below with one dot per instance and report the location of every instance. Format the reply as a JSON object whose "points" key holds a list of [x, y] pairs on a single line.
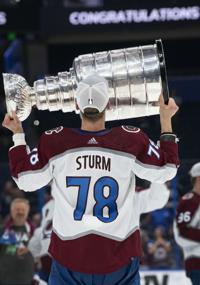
{"points": [[83, 183], [101, 200]]}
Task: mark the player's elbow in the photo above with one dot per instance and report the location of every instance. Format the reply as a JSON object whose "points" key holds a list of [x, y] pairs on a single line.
{"points": [[163, 201], [166, 174], [172, 171], [23, 185], [159, 194]]}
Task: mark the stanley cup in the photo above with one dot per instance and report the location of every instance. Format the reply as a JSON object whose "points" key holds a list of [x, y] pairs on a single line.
{"points": [[136, 78]]}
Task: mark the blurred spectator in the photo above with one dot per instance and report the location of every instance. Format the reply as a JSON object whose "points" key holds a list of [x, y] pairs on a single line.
{"points": [[10, 192], [187, 227], [159, 251], [17, 263]]}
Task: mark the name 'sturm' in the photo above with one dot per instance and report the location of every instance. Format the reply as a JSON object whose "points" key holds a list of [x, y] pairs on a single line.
{"points": [[93, 161]]}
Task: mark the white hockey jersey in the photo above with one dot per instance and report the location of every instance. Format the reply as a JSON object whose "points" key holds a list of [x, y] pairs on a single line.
{"points": [[96, 207]]}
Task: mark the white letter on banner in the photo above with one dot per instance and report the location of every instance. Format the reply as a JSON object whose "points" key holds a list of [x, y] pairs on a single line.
{"points": [[195, 13], [154, 15], [3, 19], [112, 19], [73, 18], [129, 16], [121, 17], [104, 19], [143, 15], [136, 16], [163, 13], [83, 18]]}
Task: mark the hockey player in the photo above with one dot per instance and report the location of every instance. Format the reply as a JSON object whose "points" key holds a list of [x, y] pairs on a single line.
{"points": [[187, 227], [95, 238]]}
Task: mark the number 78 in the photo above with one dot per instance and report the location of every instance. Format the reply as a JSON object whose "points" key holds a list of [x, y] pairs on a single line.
{"points": [[83, 184]]}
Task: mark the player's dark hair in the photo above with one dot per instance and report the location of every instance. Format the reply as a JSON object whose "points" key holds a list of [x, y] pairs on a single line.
{"points": [[92, 114]]}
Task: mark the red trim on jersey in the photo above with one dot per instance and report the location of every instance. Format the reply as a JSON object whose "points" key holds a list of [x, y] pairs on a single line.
{"points": [[192, 264], [93, 254]]}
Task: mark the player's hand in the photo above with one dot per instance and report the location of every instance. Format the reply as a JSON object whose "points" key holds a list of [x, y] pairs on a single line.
{"points": [[167, 110], [166, 114], [13, 124]]}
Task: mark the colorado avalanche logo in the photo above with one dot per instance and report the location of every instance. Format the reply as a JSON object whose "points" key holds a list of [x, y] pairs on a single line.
{"points": [[131, 129], [34, 156], [54, 131]]}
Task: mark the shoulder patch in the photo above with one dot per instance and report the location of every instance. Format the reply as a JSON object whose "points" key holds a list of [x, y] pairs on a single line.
{"points": [[131, 129], [54, 131], [188, 196]]}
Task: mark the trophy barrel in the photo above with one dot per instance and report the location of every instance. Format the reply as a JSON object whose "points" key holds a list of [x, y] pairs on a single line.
{"points": [[67, 83], [135, 78]]}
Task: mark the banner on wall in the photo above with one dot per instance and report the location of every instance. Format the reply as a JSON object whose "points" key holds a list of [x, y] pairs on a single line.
{"points": [[63, 20], [164, 277], [134, 16]]}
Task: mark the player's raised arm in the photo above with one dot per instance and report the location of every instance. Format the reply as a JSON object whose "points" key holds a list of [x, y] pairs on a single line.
{"points": [[30, 170], [158, 163], [167, 111]]}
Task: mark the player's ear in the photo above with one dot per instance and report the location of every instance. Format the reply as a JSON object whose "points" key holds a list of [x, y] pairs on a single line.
{"points": [[77, 107], [108, 106], [198, 179]]}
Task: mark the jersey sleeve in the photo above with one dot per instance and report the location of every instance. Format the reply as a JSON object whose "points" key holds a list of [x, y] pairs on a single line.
{"points": [[30, 170], [153, 198], [156, 163], [181, 240], [186, 214]]}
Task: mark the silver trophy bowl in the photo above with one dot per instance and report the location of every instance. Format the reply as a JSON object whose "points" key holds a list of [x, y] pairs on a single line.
{"points": [[136, 78]]}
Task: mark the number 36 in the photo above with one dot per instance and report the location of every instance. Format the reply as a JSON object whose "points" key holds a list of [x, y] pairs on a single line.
{"points": [[184, 217]]}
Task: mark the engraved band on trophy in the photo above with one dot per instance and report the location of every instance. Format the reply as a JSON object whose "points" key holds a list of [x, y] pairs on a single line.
{"points": [[136, 78]]}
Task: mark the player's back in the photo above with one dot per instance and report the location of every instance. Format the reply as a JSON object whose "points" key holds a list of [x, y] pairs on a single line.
{"points": [[95, 204], [95, 183], [96, 216]]}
